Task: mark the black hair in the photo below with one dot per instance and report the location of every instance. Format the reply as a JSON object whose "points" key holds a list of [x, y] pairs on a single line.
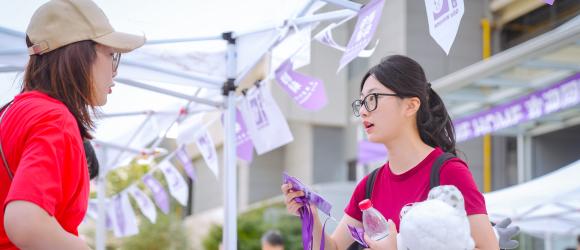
{"points": [[406, 78], [273, 238], [92, 161]]}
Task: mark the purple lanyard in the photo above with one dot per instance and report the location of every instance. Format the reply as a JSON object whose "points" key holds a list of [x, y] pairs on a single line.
{"points": [[305, 211]]}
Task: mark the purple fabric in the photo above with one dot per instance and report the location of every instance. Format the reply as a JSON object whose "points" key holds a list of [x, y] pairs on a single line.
{"points": [[357, 235], [561, 95], [306, 214], [159, 194], [187, 165], [550, 2], [369, 152], [366, 25], [307, 91], [245, 147]]}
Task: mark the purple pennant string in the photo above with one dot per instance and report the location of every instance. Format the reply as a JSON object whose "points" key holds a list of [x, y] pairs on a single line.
{"points": [[159, 194], [305, 211], [181, 155], [357, 234]]}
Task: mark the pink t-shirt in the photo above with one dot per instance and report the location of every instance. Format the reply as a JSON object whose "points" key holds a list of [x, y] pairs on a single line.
{"points": [[391, 191]]}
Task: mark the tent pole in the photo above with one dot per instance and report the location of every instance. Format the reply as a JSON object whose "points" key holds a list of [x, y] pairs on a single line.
{"points": [[345, 4], [168, 92], [101, 231], [211, 81], [184, 40], [230, 170], [548, 241], [11, 69]]}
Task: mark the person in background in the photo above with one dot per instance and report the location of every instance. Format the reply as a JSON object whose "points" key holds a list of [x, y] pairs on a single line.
{"points": [[44, 177], [272, 240]]}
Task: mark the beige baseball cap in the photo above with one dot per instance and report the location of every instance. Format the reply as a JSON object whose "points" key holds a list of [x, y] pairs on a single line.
{"points": [[61, 22]]}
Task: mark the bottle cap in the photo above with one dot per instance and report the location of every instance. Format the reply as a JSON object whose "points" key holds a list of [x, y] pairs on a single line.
{"points": [[365, 204]]}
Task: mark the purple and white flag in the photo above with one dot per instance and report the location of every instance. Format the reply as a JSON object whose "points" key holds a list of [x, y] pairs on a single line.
{"points": [[245, 147], [184, 159], [550, 2], [366, 25], [159, 194], [144, 203], [444, 17], [265, 122], [325, 37], [206, 147], [369, 152], [177, 185], [307, 91], [122, 216], [561, 95], [295, 46]]}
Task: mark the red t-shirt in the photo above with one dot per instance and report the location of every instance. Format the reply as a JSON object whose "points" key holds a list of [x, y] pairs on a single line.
{"points": [[391, 192], [43, 147]]}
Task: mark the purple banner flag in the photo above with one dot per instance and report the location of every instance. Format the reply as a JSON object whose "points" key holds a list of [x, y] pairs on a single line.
{"points": [[366, 25], [369, 152], [245, 147], [307, 91], [561, 95], [183, 158], [159, 194]]}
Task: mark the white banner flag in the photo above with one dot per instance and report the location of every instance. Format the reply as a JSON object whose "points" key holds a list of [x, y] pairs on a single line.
{"points": [[145, 204], [122, 216], [266, 123], [325, 37], [177, 185], [444, 17], [207, 149]]}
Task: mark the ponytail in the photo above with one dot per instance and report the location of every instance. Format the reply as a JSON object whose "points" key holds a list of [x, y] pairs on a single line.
{"points": [[434, 124]]}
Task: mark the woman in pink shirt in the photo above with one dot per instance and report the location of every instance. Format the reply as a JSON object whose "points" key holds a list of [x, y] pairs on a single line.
{"points": [[399, 109]]}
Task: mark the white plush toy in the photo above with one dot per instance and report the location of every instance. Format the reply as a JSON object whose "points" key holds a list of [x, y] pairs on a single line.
{"points": [[438, 223]]}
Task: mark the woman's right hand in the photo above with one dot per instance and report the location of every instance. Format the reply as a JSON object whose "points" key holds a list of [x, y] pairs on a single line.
{"points": [[291, 205]]}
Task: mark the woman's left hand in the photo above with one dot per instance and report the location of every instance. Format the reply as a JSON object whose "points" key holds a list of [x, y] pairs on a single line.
{"points": [[387, 243]]}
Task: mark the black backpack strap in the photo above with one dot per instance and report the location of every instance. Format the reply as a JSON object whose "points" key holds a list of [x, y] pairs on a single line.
{"points": [[370, 183], [436, 168]]}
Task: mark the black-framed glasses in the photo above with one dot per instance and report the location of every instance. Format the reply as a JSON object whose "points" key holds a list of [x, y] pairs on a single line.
{"points": [[116, 61], [370, 102]]}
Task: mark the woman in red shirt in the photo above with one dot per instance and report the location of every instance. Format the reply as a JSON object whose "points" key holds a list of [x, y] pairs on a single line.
{"points": [[44, 180], [400, 110]]}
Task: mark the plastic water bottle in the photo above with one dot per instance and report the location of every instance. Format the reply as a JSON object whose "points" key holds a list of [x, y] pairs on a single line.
{"points": [[374, 224]]}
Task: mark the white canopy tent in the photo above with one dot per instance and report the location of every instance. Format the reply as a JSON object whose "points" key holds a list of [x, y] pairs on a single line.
{"points": [[197, 53], [546, 205]]}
